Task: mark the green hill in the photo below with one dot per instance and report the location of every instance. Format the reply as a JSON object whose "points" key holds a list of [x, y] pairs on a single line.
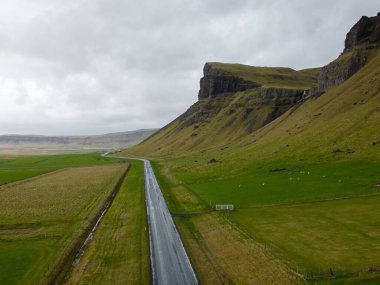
{"points": [[346, 115], [297, 153], [226, 116]]}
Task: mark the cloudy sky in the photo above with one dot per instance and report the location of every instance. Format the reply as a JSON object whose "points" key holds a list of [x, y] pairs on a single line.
{"points": [[70, 67]]}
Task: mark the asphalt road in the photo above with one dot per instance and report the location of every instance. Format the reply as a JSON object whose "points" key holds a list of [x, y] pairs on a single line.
{"points": [[169, 261]]}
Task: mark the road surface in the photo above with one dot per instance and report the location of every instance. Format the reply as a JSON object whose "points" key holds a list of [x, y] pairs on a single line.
{"points": [[169, 261]]}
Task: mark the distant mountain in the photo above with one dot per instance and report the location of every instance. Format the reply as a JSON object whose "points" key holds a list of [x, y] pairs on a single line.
{"points": [[106, 141]]}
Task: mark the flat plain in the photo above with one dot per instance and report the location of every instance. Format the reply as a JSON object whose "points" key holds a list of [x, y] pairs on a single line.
{"points": [[15, 168], [298, 220], [44, 219]]}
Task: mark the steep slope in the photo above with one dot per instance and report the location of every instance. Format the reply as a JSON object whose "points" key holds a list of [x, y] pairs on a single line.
{"points": [[342, 121], [236, 101]]}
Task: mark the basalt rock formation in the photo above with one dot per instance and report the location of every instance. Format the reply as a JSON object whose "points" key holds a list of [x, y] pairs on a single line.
{"points": [[365, 32], [243, 98], [216, 82], [364, 35], [341, 69], [235, 99]]}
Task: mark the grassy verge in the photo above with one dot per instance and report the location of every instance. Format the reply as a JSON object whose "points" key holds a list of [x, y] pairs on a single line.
{"points": [[119, 252], [43, 218]]}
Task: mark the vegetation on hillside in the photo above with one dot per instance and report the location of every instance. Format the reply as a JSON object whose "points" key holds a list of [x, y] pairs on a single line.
{"points": [[281, 77], [304, 186]]}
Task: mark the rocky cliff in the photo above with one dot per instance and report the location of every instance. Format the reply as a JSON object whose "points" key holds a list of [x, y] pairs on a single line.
{"points": [[365, 32], [364, 35], [216, 82], [236, 96], [341, 69]]}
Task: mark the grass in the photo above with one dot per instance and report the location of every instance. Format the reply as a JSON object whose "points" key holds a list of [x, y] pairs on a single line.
{"points": [[311, 205], [42, 220], [271, 76], [119, 252], [293, 184], [343, 234], [19, 168], [218, 251]]}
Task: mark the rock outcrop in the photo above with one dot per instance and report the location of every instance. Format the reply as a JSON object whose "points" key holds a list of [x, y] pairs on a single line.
{"points": [[365, 32], [364, 35], [282, 93], [253, 108], [215, 82], [340, 70]]}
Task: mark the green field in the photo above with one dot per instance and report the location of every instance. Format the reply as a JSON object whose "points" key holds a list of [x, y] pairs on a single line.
{"points": [[342, 235], [119, 252], [291, 184], [23, 167], [309, 217], [43, 221]]}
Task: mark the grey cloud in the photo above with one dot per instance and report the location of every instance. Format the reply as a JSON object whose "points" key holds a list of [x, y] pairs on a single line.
{"points": [[93, 66]]}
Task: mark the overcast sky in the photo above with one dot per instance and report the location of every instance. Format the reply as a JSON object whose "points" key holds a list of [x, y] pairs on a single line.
{"points": [[70, 67]]}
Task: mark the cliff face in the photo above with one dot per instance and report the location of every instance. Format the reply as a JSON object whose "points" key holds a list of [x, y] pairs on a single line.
{"points": [[248, 110], [341, 69], [364, 35], [224, 95], [365, 32], [215, 82]]}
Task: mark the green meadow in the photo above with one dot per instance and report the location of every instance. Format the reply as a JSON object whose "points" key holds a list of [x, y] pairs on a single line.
{"points": [[119, 252], [291, 184], [23, 167], [44, 220], [310, 217]]}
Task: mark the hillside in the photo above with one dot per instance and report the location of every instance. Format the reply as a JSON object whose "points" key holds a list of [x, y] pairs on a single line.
{"points": [[235, 101], [107, 141], [297, 153]]}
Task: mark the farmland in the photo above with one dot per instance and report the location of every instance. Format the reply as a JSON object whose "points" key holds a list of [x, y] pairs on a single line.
{"points": [[23, 167], [328, 213], [43, 220], [119, 252]]}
